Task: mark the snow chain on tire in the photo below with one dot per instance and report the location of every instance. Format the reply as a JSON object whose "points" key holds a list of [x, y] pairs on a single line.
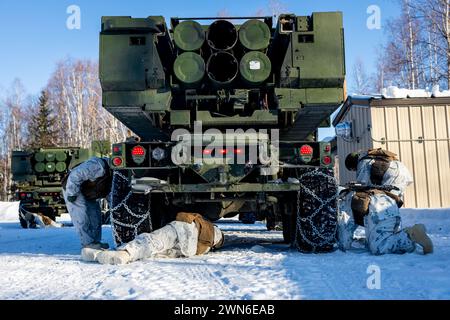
{"points": [[316, 216], [126, 227]]}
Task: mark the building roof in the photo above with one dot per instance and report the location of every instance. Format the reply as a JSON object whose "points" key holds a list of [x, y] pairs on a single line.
{"points": [[380, 101]]}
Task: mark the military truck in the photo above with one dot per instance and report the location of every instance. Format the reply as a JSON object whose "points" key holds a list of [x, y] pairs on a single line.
{"points": [[37, 175], [184, 90]]}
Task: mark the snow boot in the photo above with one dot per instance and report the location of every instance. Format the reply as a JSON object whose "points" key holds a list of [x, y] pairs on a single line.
{"points": [[418, 234], [89, 254], [97, 246], [113, 257]]}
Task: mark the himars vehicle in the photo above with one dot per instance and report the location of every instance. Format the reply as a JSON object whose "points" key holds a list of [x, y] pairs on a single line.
{"points": [[37, 176], [187, 89]]}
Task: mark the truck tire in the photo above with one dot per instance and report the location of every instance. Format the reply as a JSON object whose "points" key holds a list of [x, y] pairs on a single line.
{"points": [[23, 223], [289, 218], [132, 213], [316, 220], [106, 215]]}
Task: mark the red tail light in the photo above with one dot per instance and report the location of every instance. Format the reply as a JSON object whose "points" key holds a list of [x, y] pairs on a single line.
{"points": [[306, 150], [23, 195], [117, 149], [238, 151], [207, 151], [117, 161], [138, 151], [223, 151], [326, 160]]}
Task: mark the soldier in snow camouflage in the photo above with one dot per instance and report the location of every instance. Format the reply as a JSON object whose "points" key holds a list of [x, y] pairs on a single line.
{"points": [[376, 205], [82, 187], [189, 235]]}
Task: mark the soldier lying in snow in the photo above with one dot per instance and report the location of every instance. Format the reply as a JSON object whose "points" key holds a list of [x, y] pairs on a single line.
{"points": [[38, 220], [376, 203], [190, 234]]}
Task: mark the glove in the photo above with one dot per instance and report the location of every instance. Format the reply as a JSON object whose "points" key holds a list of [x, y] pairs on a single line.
{"points": [[71, 198]]}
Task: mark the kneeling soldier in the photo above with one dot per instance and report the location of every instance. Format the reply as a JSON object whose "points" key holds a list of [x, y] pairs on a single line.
{"points": [[375, 204]]}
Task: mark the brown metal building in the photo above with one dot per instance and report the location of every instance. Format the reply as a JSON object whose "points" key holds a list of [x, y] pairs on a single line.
{"points": [[416, 129]]}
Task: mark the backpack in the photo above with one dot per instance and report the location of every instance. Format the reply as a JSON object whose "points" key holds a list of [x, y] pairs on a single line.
{"points": [[361, 200], [381, 164], [93, 190], [204, 227]]}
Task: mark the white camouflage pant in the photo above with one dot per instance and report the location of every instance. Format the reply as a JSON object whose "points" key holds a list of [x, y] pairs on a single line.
{"points": [[86, 216], [382, 226], [174, 240]]}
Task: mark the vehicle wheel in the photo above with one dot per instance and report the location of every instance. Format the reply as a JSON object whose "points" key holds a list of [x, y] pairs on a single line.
{"points": [[289, 218], [131, 213], [104, 207], [316, 221], [23, 223]]}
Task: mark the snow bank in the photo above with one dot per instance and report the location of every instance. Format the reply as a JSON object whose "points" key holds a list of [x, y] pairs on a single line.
{"points": [[253, 264], [436, 93], [9, 211], [399, 93]]}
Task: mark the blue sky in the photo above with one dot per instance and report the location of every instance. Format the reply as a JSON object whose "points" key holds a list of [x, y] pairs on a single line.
{"points": [[34, 36]]}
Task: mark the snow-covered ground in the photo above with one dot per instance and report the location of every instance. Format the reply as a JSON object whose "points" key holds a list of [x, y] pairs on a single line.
{"points": [[44, 264]]}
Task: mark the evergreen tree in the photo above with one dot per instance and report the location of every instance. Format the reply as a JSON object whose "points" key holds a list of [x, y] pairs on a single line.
{"points": [[41, 126]]}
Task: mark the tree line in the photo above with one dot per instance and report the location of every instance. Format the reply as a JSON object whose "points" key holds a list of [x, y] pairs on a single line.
{"points": [[416, 51], [67, 113]]}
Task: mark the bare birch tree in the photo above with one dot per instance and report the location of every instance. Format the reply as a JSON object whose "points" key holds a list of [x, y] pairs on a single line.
{"points": [[417, 51], [361, 83], [75, 94], [434, 17], [12, 130], [402, 51], [277, 7]]}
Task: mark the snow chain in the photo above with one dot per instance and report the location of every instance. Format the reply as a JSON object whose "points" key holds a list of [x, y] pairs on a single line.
{"points": [[326, 240], [123, 203]]}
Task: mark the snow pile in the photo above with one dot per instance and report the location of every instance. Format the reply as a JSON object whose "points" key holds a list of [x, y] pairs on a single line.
{"points": [[9, 211], [395, 92], [437, 93], [399, 93]]}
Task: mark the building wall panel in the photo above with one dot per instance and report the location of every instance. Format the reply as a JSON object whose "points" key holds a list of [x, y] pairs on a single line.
{"points": [[419, 133]]}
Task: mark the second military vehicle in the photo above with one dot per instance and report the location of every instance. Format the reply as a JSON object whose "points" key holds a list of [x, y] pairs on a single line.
{"points": [[37, 176], [226, 112]]}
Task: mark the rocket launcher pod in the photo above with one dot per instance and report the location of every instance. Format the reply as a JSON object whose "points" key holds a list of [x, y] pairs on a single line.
{"points": [[222, 68], [254, 35], [189, 68], [222, 35], [189, 36], [255, 67]]}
